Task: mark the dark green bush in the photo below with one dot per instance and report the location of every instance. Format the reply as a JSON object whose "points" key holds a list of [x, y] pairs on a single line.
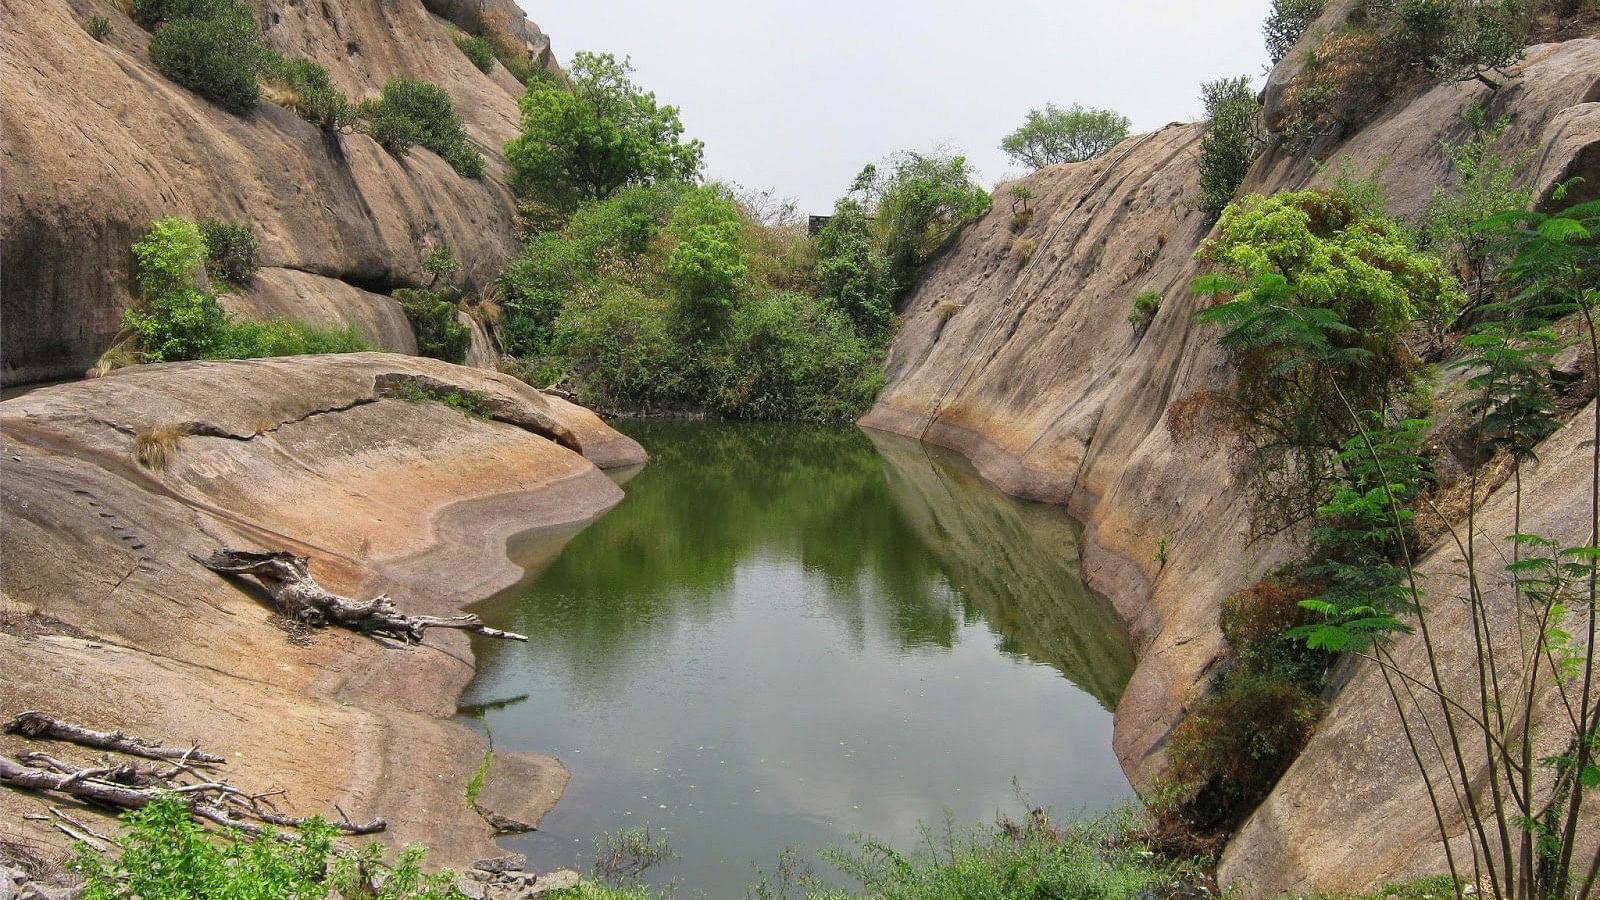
{"points": [[787, 356], [99, 27], [851, 273], [306, 88], [479, 51], [1231, 143], [432, 314], [1287, 21], [412, 112], [219, 56], [232, 253], [1145, 307], [921, 204], [151, 13]]}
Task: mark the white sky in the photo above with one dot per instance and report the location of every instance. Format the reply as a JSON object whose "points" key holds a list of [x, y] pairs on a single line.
{"points": [[797, 96]]}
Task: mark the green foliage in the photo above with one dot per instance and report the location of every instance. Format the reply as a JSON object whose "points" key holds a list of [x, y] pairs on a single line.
{"points": [[215, 49], [1034, 858], [921, 204], [305, 87], [283, 336], [620, 346], [432, 314], [851, 273], [473, 405], [412, 112], [1145, 307], [169, 257], [1484, 184], [789, 356], [99, 27], [1315, 293], [151, 13], [708, 260], [178, 320], [481, 774], [1287, 21], [440, 263], [1055, 135], [478, 50], [622, 856], [1231, 143], [164, 854], [1453, 39], [232, 252], [604, 133]]}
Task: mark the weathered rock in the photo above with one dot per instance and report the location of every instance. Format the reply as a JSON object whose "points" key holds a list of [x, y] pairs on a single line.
{"points": [[1031, 370], [96, 143], [303, 453], [511, 862]]}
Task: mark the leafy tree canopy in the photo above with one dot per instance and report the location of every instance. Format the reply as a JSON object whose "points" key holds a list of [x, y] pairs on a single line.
{"points": [[602, 134], [1055, 135]]}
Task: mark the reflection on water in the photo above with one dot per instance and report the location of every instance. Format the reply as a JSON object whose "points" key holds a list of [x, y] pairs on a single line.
{"points": [[787, 634]]}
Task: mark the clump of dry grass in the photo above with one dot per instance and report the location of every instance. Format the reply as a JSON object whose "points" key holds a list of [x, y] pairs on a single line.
{"points": [[1021, 218], [947, 309], [1022, 249], [155, 448], [120, 355], [1448, 503]]}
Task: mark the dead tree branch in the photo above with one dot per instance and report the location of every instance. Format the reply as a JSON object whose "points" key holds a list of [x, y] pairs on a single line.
{"points": [[36, 725], [287, 579]]}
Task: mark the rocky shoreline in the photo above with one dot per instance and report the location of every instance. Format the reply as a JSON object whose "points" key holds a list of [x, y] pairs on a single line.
{"points": [[309, 454]]}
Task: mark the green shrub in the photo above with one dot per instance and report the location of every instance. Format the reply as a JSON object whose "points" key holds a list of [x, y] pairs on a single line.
{"points": [[232, 253], [164, 854], [851, 273], [1145, 307], [283, 336], [1259, 624], [169, 258], [605, 132], [1033, 858], [411, 112], [1287, 21], [432, 314], [99, 27], [921, 204], [787, 356], [305, 87], [219, 56], [708, 260], [620, 349], [1055, 135], [478, 50], [1231, 143], [151, 13]]}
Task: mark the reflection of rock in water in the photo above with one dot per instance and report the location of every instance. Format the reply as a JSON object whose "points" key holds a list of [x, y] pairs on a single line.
{"points": [[1015, 561]]}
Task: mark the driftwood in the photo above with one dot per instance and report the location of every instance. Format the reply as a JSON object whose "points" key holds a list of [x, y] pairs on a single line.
{"points": [[287, 579], [34, 724], [125, 787]]}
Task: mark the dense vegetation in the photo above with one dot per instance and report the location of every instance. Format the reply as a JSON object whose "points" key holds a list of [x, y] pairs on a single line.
{"points": [[641, 289], [179, 316]]}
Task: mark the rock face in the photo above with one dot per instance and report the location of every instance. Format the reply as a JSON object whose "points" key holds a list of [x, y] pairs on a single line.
{"points": [[96, 143], [1031, 370], [307, 454]]}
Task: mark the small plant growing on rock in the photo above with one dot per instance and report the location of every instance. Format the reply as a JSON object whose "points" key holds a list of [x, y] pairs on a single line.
{"points": [[154, 448], [440, 263], [479, 51], [432, 315], [305, 87], [232, 252], [215, 49], [416, 113], [1022, 249], [1232, 141], [1021, 211], [99, 27], [1145, 307]]}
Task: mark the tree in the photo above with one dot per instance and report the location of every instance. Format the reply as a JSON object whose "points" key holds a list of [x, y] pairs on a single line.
{"points": [[1288, 20], [850, 271], [920, 205], [1054, 135], [1232, 140], [604, 133]]}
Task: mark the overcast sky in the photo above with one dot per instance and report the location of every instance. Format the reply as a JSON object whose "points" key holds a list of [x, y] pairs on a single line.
{"points": [[797, 95]]}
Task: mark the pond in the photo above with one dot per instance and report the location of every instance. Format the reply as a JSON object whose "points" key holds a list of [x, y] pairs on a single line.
{"points": [[786, 635]]}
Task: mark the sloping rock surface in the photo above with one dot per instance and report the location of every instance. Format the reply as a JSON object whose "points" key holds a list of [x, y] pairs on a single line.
{"points": [[96, 143], [106, 620], [1031, 370]]}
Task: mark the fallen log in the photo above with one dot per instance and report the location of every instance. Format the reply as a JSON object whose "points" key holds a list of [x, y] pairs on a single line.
{"points": [[35, 724], [215, 801], [287, 579]]}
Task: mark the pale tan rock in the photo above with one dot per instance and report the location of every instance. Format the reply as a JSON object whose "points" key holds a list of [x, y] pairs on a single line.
{"points": [[1031, 370], [300, 453]]}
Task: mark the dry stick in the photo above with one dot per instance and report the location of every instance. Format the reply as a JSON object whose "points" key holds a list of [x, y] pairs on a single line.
{"points": [[35, 724], [1433, 798], [62, 814], [76, 831], [1433, 660], [1585, 723], [14, 774]]}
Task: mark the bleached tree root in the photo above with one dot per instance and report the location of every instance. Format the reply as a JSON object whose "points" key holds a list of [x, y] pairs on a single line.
{"points": [[287, 579], [125, 787], [36, 725]]}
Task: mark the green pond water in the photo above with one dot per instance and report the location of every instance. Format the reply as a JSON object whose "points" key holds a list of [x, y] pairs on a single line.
{"points": [[786, 635]]}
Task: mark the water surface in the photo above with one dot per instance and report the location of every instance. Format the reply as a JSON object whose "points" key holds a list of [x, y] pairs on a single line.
{"points": [[786, 635]]}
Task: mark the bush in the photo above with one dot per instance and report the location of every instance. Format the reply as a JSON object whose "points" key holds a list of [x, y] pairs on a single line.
{"points": [[219, 56], [99, 27], [283, 336], [788, 357], [440, 333], [921, 204], [1287, 21], [1259, 624], [1231, 143], [1145, 307], [480, 51], [851, 273], [232, 253], [306, 88], [165, 854], [411, 112], [605, 132], [1054, 135], [620, 349], [708, 260], [151, 13]]}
